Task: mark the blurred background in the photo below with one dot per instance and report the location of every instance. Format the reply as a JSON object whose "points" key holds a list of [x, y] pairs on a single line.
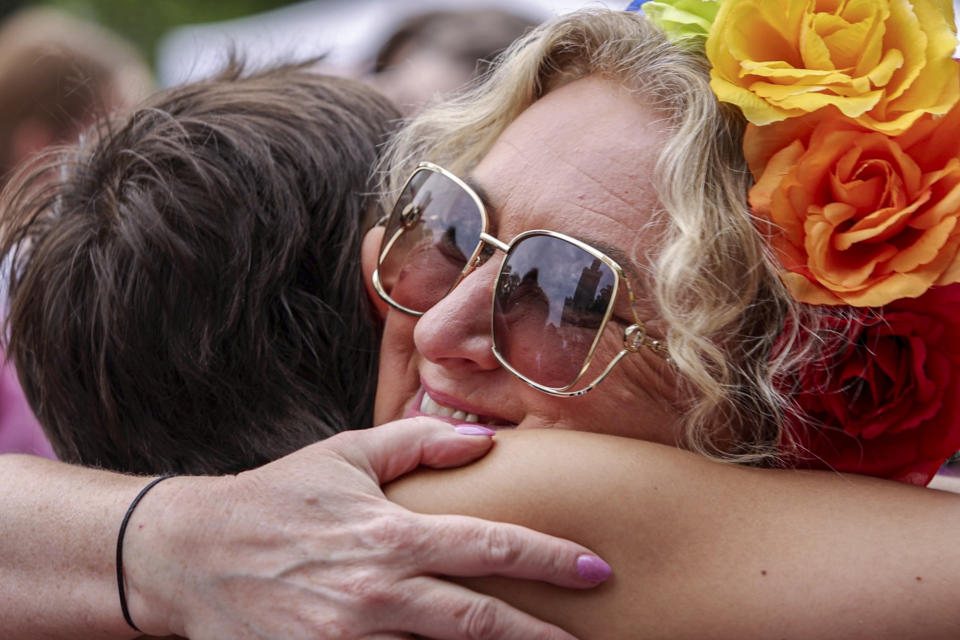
{"points": [[63, 62], [183, 39]]}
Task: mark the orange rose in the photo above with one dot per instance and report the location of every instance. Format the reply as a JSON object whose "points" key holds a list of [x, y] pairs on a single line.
{"points": [[884, 63], [860, 218]]}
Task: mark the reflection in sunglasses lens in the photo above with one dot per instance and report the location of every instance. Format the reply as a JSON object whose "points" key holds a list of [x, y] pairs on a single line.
{"points": [[432, 232], [550, 302]]}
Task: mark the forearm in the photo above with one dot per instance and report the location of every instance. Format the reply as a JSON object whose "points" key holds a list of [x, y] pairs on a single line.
{"points": [[303, 547], [58, 533], [707, 550]]}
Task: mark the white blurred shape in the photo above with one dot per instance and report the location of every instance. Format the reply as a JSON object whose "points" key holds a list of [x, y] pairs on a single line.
{"points": [[347, 32]]}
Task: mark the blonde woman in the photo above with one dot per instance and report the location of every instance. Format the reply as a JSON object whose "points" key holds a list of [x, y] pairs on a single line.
{"points": [[571, 250]]}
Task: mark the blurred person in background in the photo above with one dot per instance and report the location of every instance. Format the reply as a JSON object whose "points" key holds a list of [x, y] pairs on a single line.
{"points": [[431, 55], [57, 73]]}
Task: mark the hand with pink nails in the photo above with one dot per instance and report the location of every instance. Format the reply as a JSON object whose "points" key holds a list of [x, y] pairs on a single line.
{"points": [[307, 547]]}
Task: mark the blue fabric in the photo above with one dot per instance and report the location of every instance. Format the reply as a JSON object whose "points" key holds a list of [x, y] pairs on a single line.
{"points": [[635, 5]]}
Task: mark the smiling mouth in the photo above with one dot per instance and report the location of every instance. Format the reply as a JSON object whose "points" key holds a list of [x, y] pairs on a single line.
{"points": [[429, 406]]}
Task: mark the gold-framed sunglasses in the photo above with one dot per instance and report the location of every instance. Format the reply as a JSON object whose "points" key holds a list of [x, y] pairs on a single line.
{"points": [[553, 295]]}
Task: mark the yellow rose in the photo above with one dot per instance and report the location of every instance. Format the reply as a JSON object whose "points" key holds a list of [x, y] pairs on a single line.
{"points": [[883, 63]]}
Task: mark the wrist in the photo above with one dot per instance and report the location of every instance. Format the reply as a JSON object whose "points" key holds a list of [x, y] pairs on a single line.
{"points": [[166, 534]]}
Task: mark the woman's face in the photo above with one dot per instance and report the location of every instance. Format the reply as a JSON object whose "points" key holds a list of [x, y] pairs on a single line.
{"points": [[578, 161]]}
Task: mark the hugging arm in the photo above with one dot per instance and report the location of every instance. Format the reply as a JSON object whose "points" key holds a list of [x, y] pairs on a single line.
{"points": [[304, 547], [58, 528], [702, 549]]}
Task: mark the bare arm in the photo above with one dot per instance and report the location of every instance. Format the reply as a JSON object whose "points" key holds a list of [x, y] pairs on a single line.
{"points": [[58, 528], [304, 547], [708, 550]]}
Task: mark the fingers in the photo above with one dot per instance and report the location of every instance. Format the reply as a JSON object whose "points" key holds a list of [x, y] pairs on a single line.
{"points": [[464, 546], [448, 611], [393, 449]]}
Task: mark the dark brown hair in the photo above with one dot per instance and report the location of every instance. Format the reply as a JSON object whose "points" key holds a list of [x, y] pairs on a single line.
{"points": [[185, 288]]}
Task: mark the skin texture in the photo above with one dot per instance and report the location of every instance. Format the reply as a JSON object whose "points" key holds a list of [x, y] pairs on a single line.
{"points": [[706, 550], [304, 547]]}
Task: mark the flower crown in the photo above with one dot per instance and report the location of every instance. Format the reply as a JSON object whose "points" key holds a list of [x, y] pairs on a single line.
{"points": [[854, 144]]}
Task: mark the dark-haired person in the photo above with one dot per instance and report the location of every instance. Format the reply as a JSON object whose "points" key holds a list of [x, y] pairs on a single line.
{"points": [[186, 297], [218, 227]]}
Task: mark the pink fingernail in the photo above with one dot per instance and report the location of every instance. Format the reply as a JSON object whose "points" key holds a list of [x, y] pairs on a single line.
{"points": [[473, 430], [593, 568]]}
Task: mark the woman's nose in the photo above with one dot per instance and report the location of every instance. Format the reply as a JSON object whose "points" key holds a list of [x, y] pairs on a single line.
{"points": [[455, 332]]}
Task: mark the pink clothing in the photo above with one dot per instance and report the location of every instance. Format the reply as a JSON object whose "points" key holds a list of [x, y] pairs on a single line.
{"points": [[19, 430]]}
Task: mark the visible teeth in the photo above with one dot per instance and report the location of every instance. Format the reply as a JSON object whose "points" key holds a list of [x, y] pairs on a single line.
{"points": [[431, 407]]}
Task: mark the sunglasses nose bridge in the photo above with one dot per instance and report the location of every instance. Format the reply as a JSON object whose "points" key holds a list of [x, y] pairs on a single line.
{"points": [[480, 260], [487, 246], [491, 241]]}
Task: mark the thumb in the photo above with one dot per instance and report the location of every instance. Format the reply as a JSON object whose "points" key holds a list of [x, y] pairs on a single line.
{"points": [[393, 449]]}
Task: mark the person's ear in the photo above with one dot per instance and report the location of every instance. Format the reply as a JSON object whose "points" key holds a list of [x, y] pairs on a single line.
{"points": [[368, 261]]}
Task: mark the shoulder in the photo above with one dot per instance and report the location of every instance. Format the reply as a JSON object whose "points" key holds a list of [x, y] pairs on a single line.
{"points": [[563, 470], [700, 548], [564, 482], [601, 491]]}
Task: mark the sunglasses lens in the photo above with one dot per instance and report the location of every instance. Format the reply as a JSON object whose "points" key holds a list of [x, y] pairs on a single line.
{"points": [[550, 303], [431, 234]]}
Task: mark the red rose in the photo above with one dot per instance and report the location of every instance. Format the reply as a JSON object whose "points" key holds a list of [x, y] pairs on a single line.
{"points": [[888, 403]]}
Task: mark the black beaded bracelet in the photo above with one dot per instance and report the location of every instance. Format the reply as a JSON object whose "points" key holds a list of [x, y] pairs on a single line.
{"points": [[123, 529]]}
